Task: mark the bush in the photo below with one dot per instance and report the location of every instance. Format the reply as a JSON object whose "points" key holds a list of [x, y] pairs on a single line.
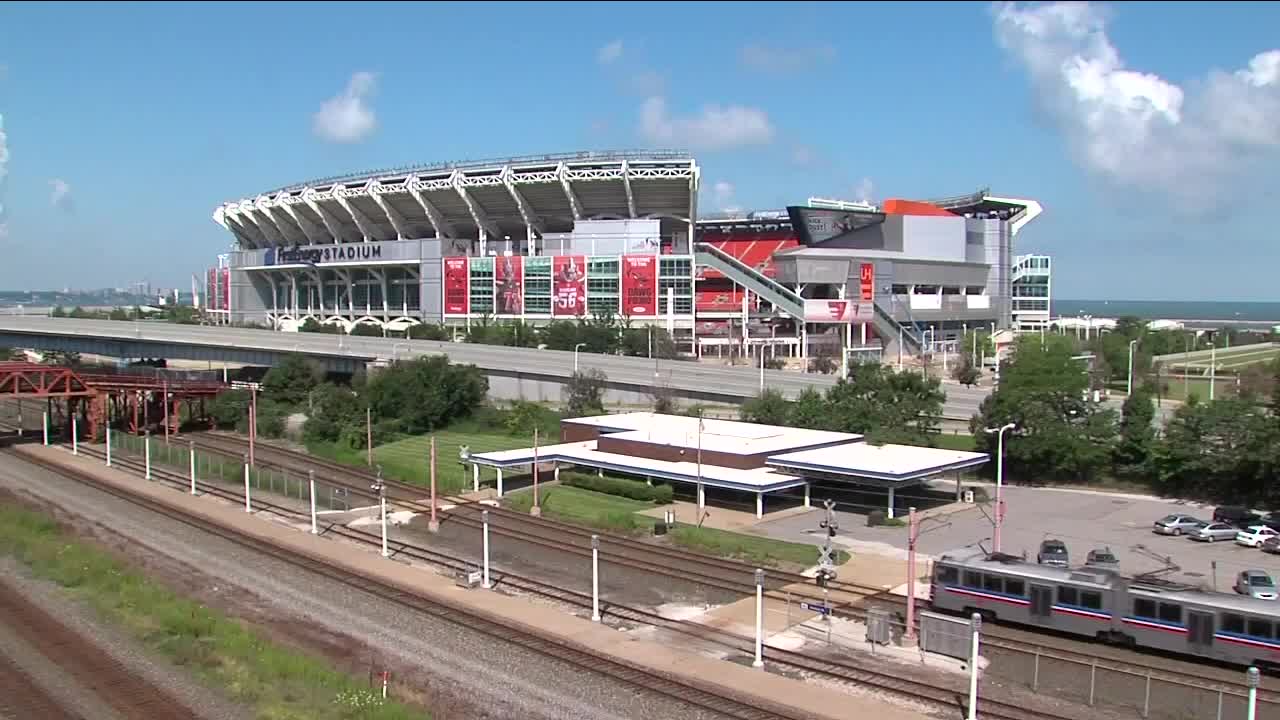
{"points": [[633, 489], [429, 332]]}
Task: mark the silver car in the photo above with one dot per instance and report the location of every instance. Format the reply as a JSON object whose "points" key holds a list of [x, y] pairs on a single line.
{"points": [[1176, 525], [1256, 583], [1214, 532]]}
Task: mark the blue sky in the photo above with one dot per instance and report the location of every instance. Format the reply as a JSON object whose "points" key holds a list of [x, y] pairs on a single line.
{"points": [[1150, 132]]}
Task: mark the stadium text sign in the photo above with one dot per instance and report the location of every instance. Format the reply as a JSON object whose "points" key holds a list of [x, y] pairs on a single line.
{"points": [[298, 255]]}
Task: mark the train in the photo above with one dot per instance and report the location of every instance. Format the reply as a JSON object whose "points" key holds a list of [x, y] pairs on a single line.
{"points": [[1100, 603]]}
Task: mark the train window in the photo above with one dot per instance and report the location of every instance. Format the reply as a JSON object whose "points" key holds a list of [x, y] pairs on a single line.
{"points": [[1068, 596], [993, 583], [1259, 628], [1144, 608], [1233, 623], [948, 575], [972, 579], [1015, 587], [1171, 613], [1091, 600]]}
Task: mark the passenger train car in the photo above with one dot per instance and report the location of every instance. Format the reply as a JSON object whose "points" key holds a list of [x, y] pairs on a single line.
{"points": [[1103, 604]]}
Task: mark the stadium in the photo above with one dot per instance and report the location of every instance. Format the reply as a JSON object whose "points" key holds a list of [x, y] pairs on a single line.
{"points": [[546, 237]]}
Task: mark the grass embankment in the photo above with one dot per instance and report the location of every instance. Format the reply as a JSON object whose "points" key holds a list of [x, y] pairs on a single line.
{"points": [[406, 460], [278, 683], [618, 514], [949, 441]]}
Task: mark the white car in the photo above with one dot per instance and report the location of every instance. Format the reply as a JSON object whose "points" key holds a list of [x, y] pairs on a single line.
{"points": [[1255, 535]]}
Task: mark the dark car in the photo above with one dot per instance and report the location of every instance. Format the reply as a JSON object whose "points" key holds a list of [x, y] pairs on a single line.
{"points": [[1103, 558], [1271, 520], [1241, 517], [1052, 552]]}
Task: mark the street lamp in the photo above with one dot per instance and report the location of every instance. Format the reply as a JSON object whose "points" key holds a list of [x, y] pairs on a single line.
{"points": [[575, 357], [1129, 386], [999, 480]]}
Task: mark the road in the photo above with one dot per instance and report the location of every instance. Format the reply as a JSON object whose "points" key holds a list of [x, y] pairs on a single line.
{"points": [[686, 378]]}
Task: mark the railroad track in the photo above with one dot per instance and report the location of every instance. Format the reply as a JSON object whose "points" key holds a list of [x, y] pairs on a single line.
{"points": [[82, 662], [943, 696], [849, 600]]}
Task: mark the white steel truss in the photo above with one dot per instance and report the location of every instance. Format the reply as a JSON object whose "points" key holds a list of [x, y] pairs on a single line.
{"points": [[268, 229], [443, 227], [314, 234], [562, 173], [362, 221], [245, 230], [626, 183], [290, 232], [531, 219], [393, 216], [477, 212], [312, 199]]}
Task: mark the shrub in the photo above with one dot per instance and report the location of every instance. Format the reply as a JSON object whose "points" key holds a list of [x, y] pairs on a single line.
{"points": [[633, 489]]}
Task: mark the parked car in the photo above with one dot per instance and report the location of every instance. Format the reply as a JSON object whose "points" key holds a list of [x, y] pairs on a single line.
{"points": [[1255, 535], [1271, 545], [1176, 524], [1214, 532], [1241, 517], [1271, 520], [1103, 558], [1256, 583], [1052, 552]]}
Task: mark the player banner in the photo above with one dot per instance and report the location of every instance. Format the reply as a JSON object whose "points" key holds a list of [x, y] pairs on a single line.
{"points": [[570, 284], [456, 285], [867, 282], [639, 285], [211, 299], [508, 291], [226, 288]]}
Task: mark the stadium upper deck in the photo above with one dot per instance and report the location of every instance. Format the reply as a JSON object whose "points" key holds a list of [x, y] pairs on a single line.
{"points": [[517, 197]]}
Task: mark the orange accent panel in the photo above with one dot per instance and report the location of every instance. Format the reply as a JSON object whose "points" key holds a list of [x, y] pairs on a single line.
{"points": [[896, 206]]}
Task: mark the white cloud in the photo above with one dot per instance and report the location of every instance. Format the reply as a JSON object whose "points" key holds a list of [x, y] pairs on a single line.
{"points": [[60, 196], [722, 194], [1137, 129], [4, 173], [862, 192], [609, 53], [714, 128], [781, 61], [347, 117]]}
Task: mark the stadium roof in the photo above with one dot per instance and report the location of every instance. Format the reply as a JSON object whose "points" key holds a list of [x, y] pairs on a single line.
{"points": [[506, 197]]}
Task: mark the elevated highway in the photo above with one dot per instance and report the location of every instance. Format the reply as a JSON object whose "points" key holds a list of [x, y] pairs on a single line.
{"points": [[513, 372]]}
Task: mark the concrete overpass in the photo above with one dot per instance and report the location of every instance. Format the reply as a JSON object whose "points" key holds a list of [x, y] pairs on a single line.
{"points": [[514, 373]]}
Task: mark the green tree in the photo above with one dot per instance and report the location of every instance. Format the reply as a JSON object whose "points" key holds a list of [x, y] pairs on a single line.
{"points": [[810, 411], [636, 342], [1059, 434], [585, 393], [1225, 450], [334, 410], [886, 406], [769, 408], [291, 380], [58, 312], [1137, 434], [230, 410], [429, 331], [367, 330], [426, 393]]}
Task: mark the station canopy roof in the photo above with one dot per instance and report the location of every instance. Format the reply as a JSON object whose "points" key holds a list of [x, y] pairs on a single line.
{"points": [[885, 465]]}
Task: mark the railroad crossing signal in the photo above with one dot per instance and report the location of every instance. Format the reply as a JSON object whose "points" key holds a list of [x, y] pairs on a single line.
{"points": [[826, 561]]}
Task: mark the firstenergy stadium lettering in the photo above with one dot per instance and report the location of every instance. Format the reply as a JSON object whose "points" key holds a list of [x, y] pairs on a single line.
{"points": [[337, 253]]}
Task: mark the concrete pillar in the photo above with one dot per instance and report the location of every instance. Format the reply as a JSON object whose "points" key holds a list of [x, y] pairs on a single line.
{"points": [[702, 499], [500, 483], [890, 499], [806, 495], [555, 472], [863, 330], [957, 486], [759, 505], [475, 478]]}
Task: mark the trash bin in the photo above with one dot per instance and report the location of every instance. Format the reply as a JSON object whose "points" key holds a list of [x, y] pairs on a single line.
{"points": [[660, 528], [875, 518]]}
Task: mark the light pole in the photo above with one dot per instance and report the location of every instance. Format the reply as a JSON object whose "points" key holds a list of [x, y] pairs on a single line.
{"points": [[575, 357], [1213, 366], [536, 510], [595, 578], [1251, 676], [380, 487], [759, 661], [1129, 387], [999, 480], [975, 622]]}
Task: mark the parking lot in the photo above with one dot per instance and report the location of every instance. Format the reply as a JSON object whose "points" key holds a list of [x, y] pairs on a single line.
{"points": [[1084, 520]]}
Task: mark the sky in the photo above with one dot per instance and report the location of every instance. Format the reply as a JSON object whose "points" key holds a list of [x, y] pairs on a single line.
{"points": [[1149, 132]]}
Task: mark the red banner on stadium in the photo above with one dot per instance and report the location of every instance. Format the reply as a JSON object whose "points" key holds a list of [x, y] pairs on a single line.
{"points": [[867, 282], [639, 285], [211, 292], [508, 290], [226, 288], [456, 285], [570, 288]]}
